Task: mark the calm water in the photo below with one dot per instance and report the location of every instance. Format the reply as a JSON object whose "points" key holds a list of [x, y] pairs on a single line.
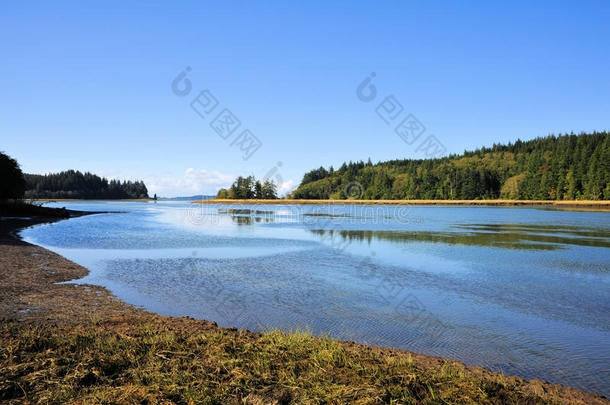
{"points": [[518, 290]]}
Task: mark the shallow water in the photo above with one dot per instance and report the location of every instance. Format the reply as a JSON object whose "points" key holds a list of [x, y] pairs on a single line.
{"points": [[518, 290]]}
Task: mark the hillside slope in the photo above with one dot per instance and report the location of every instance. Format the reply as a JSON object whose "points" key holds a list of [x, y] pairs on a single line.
{"points": [[565, 167]]}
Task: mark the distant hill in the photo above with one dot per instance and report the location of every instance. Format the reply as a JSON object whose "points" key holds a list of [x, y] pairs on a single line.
{"points": [[565, 167], [74, 184], [191, 198]]}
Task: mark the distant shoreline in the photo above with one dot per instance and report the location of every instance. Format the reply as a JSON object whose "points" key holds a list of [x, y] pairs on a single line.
{"points": [[87, 199], [571, 205], [578, 204]]}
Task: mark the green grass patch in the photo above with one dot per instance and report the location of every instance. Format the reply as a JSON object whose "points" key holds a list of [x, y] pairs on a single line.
{"points": [[152, 362]]}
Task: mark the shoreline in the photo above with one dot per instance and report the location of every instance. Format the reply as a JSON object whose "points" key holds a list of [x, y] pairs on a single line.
{"points": [[596, 205], [32, 302], [571, 205], [89, 199]]}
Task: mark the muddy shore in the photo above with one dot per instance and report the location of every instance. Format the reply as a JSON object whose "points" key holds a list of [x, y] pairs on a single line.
{"points": [[239, 366]]}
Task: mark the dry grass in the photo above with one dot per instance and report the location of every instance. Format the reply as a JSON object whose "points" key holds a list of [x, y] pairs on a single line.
{"points": [[150, 361], [592, 204]]}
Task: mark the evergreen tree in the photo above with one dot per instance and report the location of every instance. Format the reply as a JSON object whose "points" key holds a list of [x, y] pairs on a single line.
{"points": [[258, 190], [269, 190], [13, 184]]}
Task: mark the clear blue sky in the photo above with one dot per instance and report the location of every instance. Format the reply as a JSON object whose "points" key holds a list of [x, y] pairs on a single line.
{"points": [[88, 87]]}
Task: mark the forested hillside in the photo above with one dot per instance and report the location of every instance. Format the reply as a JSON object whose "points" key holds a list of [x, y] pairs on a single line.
{"points": [[565, 167], [74, 184]]}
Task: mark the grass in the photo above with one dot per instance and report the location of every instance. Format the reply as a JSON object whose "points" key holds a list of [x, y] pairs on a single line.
{"points": [[149, 361]]}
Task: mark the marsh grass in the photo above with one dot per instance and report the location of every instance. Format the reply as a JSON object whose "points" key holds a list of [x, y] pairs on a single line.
{"points": [[144, 361], [593, 204]]}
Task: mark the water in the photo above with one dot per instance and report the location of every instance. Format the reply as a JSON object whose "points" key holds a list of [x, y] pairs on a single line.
{"points": [[518, 290]]}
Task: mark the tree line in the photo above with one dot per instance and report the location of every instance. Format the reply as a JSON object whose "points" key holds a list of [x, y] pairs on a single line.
{"points": [[564, 167], [74, 184], [248, 188]]}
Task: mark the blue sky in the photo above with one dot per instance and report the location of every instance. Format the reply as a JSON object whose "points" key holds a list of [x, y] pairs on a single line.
{"points": [[88, 86]]}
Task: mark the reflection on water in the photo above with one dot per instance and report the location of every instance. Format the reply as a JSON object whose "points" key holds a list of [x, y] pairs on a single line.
{"points": [[503, 236], [324, 215], [243, 220], [552, 229], [233, 211], [521, 291]]}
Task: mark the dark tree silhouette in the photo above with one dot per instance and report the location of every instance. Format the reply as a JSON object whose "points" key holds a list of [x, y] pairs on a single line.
{"points": [[12, 183]]}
